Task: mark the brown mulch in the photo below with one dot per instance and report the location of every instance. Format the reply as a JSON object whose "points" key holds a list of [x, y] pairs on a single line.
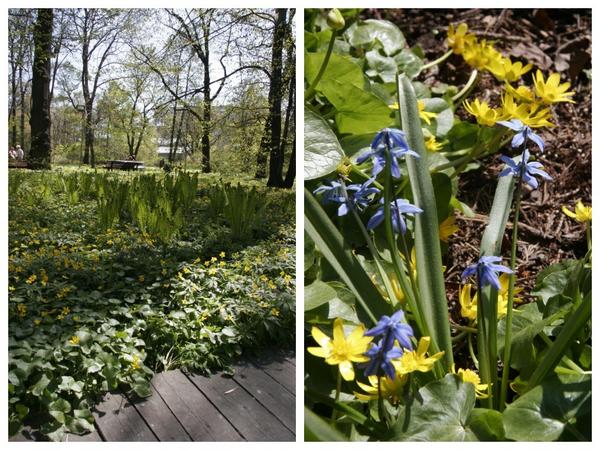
{"points": [[555, 41]]}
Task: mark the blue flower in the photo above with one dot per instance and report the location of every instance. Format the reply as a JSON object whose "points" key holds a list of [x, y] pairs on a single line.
{"points": [[527, 170], [397, 208], [382, 358], [486, 271], [523, 133], [392, 140], [393, 329], [357, 195]]}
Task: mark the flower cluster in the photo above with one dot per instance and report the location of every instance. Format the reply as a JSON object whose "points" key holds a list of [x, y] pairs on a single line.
{"points": [[391, 330], [529, 105]]}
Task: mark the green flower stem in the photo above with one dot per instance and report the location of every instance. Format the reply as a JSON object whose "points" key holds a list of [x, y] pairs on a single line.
{"points": [[459, 336], [467, 87], [310, 92], [376, 257], [485, 358], [511, 295], [397, 262], [471, 351], [435, 62], [588, 234], [338, 389]]}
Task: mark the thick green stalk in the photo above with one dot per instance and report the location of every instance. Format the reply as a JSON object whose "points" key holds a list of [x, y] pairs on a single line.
{"points": [[338, 389], [483, 345], [311, 89], [511, 297], [432, 292], [409, 294]]}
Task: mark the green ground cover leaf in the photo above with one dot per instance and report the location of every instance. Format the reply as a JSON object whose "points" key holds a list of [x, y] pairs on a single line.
{"points": [[322, 151]]}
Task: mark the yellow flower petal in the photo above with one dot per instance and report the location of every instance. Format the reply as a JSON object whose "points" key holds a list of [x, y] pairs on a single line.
{"points": [[347, 370]]}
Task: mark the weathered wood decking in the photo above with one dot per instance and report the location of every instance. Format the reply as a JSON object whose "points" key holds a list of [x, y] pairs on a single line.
{"points": [[257, 404]]}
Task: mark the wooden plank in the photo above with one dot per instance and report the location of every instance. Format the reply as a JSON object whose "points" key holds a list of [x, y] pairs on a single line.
{"points": [[118, 420], [159, 417], [94, 436], [201, 420], [273, 396], [249, 417], [279, 369]]}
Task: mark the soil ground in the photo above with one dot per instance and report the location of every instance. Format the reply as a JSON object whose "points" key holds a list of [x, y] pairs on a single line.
{"points": [[554, 41]]}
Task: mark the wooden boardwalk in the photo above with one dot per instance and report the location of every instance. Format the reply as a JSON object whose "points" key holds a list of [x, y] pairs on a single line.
{"points": [[257, 404]]}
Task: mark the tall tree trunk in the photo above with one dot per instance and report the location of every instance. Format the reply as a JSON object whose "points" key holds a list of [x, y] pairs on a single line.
{"points": [[13, 108], [206, 105], [289, 119], [290, 176], [275, 149], [22, 91], [39, 154]]}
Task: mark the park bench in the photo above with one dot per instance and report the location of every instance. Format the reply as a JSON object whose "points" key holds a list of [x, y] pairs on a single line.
{"points": [[124, 164], [16, 164]]}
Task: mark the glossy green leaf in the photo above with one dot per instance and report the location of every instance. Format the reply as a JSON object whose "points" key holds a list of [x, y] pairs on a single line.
{"points": [[340, 68], [384, 67], [322, 151], [487, 424], [369, 34], [408, 63], [317, 294], [439, 412], [549, 409], [357, 111], [443, 122]]}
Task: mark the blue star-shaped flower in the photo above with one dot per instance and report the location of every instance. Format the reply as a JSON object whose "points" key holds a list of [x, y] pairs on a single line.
{"points": [[392, 140], [382, 358], [527, 170], [358, 195], [523, 133], [393, 329], [486, 269], [398, 207]]}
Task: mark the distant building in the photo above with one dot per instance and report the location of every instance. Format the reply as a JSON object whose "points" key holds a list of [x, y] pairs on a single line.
{"points": [[163, 153]]}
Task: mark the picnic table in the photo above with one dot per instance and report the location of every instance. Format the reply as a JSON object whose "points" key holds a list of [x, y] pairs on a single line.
{"points": [[123, 164]]}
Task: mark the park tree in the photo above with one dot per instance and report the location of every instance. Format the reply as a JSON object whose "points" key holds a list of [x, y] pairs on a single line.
{"points": [[39, 154]]}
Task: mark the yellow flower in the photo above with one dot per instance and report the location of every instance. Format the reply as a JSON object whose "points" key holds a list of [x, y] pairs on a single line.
{"points": [[31, 279], [21, 310], [459, 38], [66, 310], [417, 360], [522, 93], [582, 213], [505, 70], [468, 305], [341, 350], [432, 145], [135, 363], [447, 228], [212, 271], [222, 254], [425, 115], [390, 389], [481, 55], [482, 112], [470, 376], [43, 277], [37, 322], [531, 114], [551, 91], [213, 259], [74, 340], [141, 278], [275, 312]]}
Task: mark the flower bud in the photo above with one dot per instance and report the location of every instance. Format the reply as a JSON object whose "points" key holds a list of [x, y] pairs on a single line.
{"points": [[335, 20]]}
